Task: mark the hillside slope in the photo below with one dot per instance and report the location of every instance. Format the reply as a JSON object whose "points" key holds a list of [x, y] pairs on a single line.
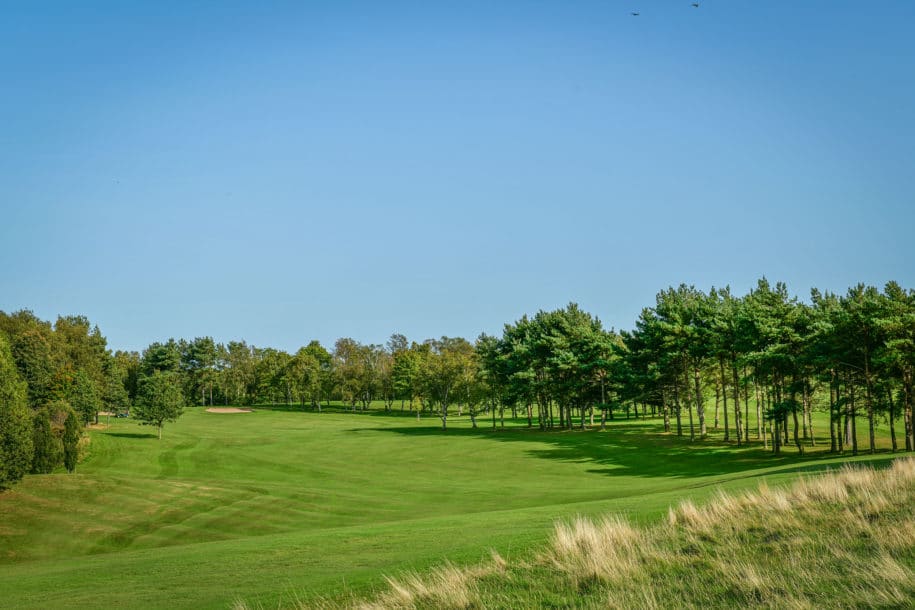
{"points": [[841, 540]]}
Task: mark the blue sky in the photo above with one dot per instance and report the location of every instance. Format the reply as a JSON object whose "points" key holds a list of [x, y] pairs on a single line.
{"points": [[286, 171]]}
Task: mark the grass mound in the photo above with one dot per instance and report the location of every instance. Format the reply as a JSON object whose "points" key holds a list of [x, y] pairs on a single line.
{"points": [[841, 540]]}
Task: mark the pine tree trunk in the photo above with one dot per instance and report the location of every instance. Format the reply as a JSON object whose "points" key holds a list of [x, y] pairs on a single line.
{"points": [[889, 396], [804, 411], [736, 401], [854, 422], [777, 399], [717, 403], [746, 406], [910, 429], [724, 393], [677, 407], [832, 413], [808, 396], [666, 410], [700, 404], [760, 430], [797, 438], [869, 402]]}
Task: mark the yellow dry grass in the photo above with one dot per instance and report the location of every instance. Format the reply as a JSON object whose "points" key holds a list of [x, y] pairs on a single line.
{"points": [[819, 542]]}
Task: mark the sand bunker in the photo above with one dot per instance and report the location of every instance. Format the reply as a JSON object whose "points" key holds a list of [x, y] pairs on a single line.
{"points": [[227, 410]]}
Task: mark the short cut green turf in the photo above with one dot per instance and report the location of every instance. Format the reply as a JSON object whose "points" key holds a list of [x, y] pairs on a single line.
{"points": [[277, 506]]}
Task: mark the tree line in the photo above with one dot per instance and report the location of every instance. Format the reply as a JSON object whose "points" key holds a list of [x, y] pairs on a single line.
{"points": [[765, 353]]}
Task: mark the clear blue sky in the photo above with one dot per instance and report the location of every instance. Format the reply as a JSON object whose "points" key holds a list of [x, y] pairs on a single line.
{"points": [[286, 171]]}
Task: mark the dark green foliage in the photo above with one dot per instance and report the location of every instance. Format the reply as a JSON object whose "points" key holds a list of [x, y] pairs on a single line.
{"points": [[15, 428], [84, 397], [71, 441], [160, 400], [161, 357], [117, 381], [767, 351], [47, 451]]}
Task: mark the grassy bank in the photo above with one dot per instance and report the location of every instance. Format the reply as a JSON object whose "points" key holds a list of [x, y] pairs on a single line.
{"points": [[841, 540]]}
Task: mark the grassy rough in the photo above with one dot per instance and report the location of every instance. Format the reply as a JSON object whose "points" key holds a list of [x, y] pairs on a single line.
{"points": [[279, 507], [840, 540]]}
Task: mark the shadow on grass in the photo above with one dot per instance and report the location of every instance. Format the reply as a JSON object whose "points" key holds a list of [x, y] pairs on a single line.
{"points": [[130, 434], [643, 449], [339, 410]]}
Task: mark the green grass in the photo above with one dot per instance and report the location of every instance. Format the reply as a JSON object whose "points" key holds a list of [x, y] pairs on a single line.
{"points": [[845, 539], [281, 505]]}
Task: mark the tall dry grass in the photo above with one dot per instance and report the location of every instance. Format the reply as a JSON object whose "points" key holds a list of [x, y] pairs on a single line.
{"points": [[844, 539]]}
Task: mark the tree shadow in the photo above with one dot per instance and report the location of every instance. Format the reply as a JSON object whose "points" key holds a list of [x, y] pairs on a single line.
{"points": [[130, 434], [644, 450], [341, 410]]}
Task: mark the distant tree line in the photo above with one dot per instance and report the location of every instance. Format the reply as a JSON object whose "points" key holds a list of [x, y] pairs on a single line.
{"points": [[764, 353]]}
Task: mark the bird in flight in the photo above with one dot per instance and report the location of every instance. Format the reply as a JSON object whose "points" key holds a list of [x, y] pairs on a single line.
{"points": [[695, 5], [635, 13]]}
